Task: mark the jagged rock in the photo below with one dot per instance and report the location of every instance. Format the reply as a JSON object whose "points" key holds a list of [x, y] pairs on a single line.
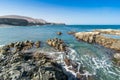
{"points": [[28, 65], [62, 47], [37, 44], [11, 45], [67, 61], [86, 36], [38, 55], [57, 44], [19, 46], [4, 50]]}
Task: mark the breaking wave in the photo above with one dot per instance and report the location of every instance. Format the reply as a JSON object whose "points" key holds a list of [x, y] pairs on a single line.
{"points": [[100, 68]]}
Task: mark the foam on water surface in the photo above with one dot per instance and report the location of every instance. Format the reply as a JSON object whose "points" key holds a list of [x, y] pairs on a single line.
{"points": [[96, 60], [1, 45]]}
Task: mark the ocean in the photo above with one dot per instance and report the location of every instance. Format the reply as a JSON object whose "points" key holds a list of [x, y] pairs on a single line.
{"points": [[95, 58]]}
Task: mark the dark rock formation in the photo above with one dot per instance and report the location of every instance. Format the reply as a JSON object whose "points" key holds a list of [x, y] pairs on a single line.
{"points": [[23, 21], [19, 64], [20, 46]]}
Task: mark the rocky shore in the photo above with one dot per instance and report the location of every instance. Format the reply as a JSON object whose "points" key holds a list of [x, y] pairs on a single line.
{"points": [[25, 61], [20, 61], [98, 37]]}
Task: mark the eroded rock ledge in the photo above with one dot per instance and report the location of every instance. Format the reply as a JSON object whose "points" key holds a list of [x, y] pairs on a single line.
{"points": [[57, 44], [98, 37]]}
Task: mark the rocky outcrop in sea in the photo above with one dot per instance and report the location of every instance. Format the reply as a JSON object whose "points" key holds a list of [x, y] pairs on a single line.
{"points": [[98, 37]]}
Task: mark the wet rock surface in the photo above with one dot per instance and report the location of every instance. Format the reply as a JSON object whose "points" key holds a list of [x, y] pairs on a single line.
{"points": [[19, 62], [70, 67]]}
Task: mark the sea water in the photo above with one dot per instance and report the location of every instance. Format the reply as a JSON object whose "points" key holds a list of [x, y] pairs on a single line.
{"points": [[95, 58]]}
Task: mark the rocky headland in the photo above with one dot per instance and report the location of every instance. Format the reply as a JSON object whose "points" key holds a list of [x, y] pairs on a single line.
{"points": [[16, 20]]}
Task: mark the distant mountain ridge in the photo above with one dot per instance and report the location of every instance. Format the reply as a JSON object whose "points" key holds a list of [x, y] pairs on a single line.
{"points": [[17, 20]]}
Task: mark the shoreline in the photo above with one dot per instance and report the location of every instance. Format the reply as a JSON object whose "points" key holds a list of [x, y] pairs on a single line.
{"points": [[64, 59], [97, 37], [22, 51]]}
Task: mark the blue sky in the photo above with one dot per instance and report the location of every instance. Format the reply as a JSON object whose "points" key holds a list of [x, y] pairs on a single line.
{"points": [[66, 11]]}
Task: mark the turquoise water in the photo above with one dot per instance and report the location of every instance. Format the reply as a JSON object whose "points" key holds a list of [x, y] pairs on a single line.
{"points": [[95, 58], [112, 36]]}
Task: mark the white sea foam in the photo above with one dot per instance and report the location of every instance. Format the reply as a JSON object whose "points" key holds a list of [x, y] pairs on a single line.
{"points": [[94, 63], [1, 45], [103, 65]]}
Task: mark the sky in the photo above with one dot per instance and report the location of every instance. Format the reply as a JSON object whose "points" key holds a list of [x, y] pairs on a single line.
{"points": [[100, 12]]}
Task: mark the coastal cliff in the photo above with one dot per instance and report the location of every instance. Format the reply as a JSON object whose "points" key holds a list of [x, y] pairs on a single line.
{"points": [[16, 20]]}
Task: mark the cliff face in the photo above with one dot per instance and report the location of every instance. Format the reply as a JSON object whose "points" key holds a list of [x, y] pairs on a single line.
{"points": [[22, 21], [12, 21]]}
